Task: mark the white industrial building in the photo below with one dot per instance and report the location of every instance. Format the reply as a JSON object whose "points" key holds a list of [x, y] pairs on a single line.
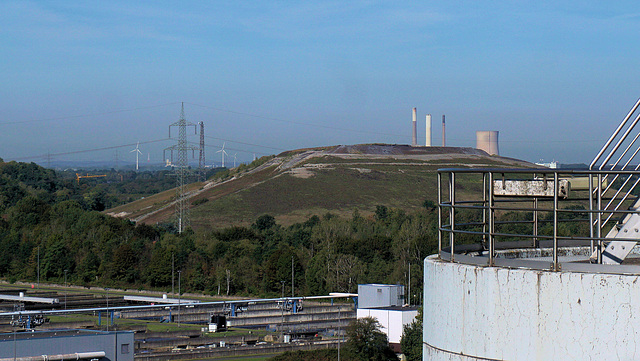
{"points": [[385, 303]]}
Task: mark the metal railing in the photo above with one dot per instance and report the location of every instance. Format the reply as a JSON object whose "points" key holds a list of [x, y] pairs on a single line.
{"points": [[552, 214], [618, 153]]}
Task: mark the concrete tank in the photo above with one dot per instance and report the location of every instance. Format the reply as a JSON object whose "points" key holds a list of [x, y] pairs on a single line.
{"points": [[487, 140], [476, 312]]}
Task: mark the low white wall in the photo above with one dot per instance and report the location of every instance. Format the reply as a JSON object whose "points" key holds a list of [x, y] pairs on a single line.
{"points": [[391, 320], [491, 313]]}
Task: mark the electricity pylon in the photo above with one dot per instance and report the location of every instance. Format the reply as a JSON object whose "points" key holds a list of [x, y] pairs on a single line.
{"points": [[181, 169], [202, 162]]}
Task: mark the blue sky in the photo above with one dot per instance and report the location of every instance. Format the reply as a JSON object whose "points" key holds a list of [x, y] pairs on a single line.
{"points": [[555, 78]]}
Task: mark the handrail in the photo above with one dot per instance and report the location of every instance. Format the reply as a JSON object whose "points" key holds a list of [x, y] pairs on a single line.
{"points": [[614, 135], [479, 217], [612, 149]]}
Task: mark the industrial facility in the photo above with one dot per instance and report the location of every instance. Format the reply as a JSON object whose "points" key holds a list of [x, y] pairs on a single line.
{"points": [[539, 263], [115, 327], [67, 345], [485, 140], [387, 304]]}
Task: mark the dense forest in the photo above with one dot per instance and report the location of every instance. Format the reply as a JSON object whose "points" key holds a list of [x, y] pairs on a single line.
{"points": [[53, 226]]}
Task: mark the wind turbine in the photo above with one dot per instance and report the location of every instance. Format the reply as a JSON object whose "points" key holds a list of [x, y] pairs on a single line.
{"points": [[223, 152], [234, 160], [138, 152]]}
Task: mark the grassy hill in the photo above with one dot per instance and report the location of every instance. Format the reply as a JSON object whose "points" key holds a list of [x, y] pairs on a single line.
{"points": [[297, 184]]}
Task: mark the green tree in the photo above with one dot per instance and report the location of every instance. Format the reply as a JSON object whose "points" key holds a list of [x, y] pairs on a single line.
{"points": [[123, 263], [411, 341], [367, 342], [264, 222], [382, 212], [56, 258]]}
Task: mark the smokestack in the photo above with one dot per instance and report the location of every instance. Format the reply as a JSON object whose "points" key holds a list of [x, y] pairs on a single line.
{"points": [[444, 144], [428, 140], [414, 138]]}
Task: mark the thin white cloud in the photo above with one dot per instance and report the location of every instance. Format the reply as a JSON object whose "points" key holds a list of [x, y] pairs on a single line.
{"points": [[336, 19]]}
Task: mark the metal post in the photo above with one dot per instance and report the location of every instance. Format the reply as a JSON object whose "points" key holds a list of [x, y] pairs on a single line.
{"points": [[173, 292], [439, 214], [409, 284], [179, 296], [452, 212], [107, 289], [492, 241], [536, 241], [484, 210], [65, 289], [339, 327], [599, 225], [282, 312], [556, 266], [591, 225]]}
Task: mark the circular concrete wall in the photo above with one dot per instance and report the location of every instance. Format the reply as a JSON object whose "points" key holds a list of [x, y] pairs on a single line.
{"points": [[490, 313]]}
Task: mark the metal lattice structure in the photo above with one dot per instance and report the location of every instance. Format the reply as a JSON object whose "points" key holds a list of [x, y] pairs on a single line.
{"points": [[202, 162], [181, 169]]}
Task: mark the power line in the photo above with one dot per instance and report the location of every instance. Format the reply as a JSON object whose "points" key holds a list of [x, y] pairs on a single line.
{"points": [[89, 150], [295, 122], [88, 115], [235, 149], [251, 144]]}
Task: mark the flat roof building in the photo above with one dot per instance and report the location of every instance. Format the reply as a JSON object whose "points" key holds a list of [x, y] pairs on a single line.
{"points": [[67, 344]]}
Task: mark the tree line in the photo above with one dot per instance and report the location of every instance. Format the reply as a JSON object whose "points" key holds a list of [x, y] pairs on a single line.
{"points": [[52, 229]]}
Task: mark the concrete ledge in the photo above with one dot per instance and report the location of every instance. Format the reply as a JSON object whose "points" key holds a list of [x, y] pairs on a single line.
{"points": [[494, 313]]}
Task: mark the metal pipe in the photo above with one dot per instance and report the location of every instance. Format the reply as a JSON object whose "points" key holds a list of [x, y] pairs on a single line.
{"points": [[536, 242], [492, 241], [485, 191], [591, 225], [555, 222], [599, 229], [59, 357], [163, 306], [618, 191], [439, 214], [452, 212], [628, 146], [615, 133], [623, 153], [624, 167], [619, 143]]}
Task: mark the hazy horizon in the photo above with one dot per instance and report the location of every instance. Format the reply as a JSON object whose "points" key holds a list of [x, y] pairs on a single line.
{"points": [[554, 79]]}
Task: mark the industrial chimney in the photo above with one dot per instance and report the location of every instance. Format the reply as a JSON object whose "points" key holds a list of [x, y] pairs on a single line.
{"points": [[428, 132], [444, 144], [414, 138], [488, 141]]}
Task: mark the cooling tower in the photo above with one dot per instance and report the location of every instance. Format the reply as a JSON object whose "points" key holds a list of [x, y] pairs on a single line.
{"points": [[487, 140], [428, 133], [414, 138]]}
